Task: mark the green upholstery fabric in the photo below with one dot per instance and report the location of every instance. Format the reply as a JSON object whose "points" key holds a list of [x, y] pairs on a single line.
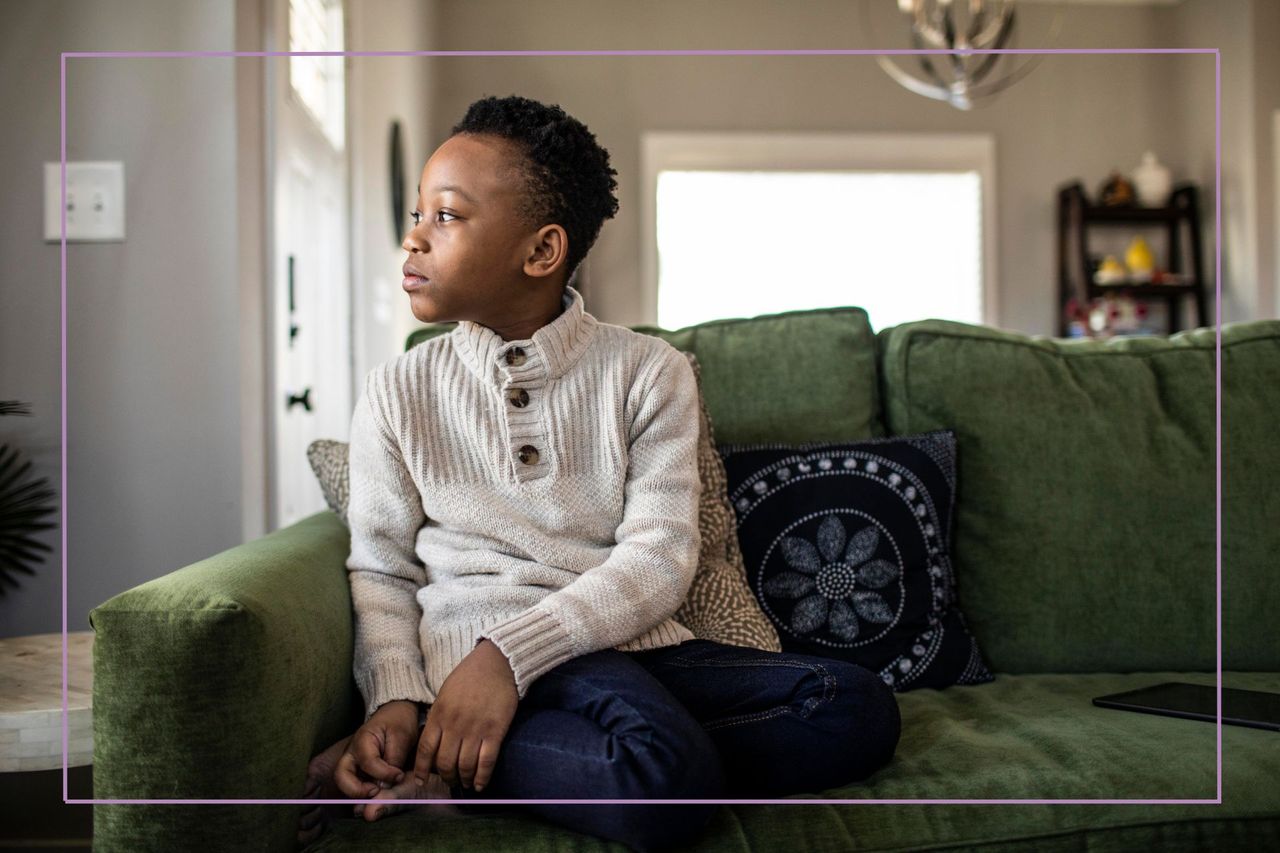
{"points": [[790, 377], [221, 680], [1085, 517], [1021, 736]]}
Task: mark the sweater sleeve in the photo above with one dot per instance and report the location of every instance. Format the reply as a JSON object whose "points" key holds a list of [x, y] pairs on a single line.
{"points": [[651, 567], [384, 514]]}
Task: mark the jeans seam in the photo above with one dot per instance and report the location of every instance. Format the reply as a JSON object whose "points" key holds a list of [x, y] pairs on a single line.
{"points": [[828, 685], [711, 662], [749, 718]]}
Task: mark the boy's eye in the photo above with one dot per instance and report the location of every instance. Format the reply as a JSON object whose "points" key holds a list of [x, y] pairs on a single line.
{"points": [[417, 215]]}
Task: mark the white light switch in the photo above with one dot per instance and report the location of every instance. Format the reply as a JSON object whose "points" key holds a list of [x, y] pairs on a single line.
{"points": [[95, 201]]}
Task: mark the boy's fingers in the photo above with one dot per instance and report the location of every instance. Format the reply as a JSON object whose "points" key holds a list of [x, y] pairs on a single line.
{"points": [[344, 776], [468, 755], [399, 743], [447, 757], [368, 751], [488, 760], [428, 741]]}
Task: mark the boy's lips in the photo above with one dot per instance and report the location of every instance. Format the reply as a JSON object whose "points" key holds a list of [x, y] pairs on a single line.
{"points": [[412, 278]]}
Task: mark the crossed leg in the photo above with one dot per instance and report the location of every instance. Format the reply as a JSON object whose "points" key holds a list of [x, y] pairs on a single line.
{"points": [[782, 722]]}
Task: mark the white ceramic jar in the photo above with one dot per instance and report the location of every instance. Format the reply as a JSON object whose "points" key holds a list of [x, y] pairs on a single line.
{"points": [[1152, 181]]}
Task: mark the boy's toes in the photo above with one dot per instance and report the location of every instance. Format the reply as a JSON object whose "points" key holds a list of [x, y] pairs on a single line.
{"points": [[320, 785], [389, 801], [312, 824], [377, 811], [321, 768]]}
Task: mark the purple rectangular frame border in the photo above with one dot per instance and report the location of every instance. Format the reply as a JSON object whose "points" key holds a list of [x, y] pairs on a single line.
{"points": [[1217, 115]]}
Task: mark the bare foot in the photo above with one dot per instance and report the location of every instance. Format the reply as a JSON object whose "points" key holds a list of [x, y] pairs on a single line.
{"points": [[320, 785], [436, 789]]}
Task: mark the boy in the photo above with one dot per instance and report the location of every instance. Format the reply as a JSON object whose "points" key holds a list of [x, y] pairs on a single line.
{"points": [[524, 523]]}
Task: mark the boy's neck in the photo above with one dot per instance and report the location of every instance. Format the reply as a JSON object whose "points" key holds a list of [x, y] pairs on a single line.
{"points": [[523, 329]]}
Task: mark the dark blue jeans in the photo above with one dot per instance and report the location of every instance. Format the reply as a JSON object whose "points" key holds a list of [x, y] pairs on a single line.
{"points": [[699, 720]]}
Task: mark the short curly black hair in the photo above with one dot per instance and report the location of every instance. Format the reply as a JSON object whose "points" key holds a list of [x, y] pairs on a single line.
{"points": [[567, 177]]}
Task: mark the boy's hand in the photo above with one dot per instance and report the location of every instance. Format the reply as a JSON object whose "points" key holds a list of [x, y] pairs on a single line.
{"points": [[378, 750], [469, 719]]}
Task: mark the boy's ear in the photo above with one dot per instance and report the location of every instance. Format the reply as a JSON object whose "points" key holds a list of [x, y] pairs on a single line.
{"points": [[550, 251]]}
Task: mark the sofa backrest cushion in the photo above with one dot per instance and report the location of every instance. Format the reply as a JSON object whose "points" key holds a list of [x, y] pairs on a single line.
{"points": [[1085, 517], [798, 376]]}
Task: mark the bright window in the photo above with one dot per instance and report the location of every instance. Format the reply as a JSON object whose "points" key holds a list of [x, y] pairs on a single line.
{"points": [[903, 246], [897, 229], [316, 25]]}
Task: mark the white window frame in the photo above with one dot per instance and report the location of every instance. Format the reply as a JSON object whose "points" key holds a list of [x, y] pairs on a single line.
{"points": [[822, 151]]}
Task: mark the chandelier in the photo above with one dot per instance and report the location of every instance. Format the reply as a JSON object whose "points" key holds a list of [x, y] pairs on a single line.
{"points": [[959, 78]]}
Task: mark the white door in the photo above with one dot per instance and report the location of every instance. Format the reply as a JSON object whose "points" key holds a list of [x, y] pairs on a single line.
{"points": [[310, 382]]}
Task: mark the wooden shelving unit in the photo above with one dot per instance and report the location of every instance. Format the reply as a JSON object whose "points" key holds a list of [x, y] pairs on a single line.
{"points": [[1076, 217]]}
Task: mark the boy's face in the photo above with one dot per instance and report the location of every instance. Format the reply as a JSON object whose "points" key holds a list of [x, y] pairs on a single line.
{"points": [[480, 261]]}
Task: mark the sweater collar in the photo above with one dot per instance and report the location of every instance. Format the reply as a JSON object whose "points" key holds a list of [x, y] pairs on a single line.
{"points": [[549, 354]]}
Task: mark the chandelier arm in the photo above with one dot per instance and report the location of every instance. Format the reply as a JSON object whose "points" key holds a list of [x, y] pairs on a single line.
{"points": [[926, 28], [926, 62], [957, 64], [990, 59], [1008, 80], [911, 83], [1024, 69], [976, 17], [996, 26]]}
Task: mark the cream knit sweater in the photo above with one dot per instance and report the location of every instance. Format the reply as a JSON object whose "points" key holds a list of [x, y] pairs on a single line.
{"points": [[542, 493]]}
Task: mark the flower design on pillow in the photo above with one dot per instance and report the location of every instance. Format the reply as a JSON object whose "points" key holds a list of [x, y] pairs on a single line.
{"points": [[835, 580]]}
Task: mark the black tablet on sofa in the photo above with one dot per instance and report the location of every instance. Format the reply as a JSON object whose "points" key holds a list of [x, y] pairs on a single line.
{"points": [[1252, 708]]}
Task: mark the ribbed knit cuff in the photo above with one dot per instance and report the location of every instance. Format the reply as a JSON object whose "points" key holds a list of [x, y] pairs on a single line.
{"points": [[533, 642], [392, 679]]}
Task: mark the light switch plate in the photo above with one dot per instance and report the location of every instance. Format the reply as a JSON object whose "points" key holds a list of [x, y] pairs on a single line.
{"points": [[95, 201]]}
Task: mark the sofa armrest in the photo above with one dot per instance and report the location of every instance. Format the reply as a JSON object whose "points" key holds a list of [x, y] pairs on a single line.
{"points": [[221, 680]]}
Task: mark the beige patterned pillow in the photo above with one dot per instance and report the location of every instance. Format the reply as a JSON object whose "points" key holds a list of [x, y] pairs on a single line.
{"points": [[329, 461], [720, 605]]}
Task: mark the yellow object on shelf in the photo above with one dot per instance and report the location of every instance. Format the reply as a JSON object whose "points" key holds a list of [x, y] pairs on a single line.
{"points": [[1110, 271], [1139, 259]]}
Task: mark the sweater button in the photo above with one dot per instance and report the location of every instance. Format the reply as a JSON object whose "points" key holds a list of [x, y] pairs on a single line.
{"points": [[519, 398], [529, 455], [515, 356]]}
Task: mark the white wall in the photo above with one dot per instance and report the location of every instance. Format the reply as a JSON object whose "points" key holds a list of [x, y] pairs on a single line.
{"points": [[152, 391], [383, 88], [1224, 24], [1266, 75]]}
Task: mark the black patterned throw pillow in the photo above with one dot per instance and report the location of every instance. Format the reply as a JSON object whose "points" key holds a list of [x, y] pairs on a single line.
{"points": [[847, 547]]}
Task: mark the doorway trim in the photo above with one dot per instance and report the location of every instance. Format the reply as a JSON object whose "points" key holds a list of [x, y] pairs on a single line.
{"points": [[252, 182]]}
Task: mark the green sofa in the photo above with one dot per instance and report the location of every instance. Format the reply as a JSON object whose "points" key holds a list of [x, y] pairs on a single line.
{"points": [[1084, 551]]}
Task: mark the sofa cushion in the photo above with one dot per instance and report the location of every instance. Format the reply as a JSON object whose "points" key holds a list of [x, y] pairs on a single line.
{"points": [[1021, 736], [848, 546], [795, 376], [1084, 535]]}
